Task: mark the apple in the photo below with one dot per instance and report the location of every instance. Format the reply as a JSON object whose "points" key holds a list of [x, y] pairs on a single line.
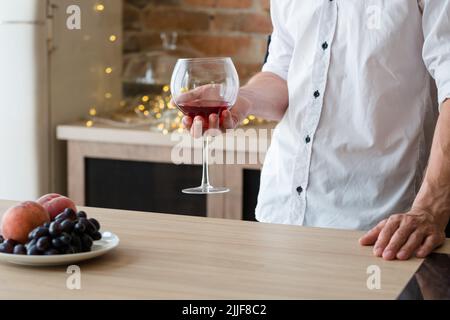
{"points": [[55, 204], [20, 220]]}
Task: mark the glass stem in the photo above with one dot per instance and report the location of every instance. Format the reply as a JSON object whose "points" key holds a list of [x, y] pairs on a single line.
{"points": [[205, 174]]}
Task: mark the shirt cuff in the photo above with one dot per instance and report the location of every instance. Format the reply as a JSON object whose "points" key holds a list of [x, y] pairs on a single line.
{"points": [[267, 67]]}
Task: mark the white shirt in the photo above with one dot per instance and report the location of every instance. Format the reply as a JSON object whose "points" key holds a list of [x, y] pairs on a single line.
{"points": [[353, 144]]}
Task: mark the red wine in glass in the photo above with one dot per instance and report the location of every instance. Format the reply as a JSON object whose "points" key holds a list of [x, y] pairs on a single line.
{"points": [[203, 108]]}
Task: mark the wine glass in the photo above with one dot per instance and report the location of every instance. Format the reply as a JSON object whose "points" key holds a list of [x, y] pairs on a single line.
{"points": [[201, 87]]}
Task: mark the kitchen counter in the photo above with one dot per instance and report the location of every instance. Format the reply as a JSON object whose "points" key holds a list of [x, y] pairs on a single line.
{"points": [[179, 257]]}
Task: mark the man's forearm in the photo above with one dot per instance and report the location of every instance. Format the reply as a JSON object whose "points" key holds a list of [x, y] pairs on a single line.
{"points": [[434, 195], [265, 95]]}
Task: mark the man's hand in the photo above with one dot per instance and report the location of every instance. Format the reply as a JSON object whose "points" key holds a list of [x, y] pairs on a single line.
{"points": [[403, 235], [229, 119]]}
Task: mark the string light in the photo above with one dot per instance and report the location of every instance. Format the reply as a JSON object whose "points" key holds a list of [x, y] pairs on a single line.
{"points": [[89, 123], [112, 38], [99, 7], [166, 88], [92, 112], [108, 95], [108, 70], [145, 99], [141, 107]]}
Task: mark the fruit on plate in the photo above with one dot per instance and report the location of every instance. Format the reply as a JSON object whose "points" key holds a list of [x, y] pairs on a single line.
{"points": [[18, 221], [55, 204], [70, 232]]}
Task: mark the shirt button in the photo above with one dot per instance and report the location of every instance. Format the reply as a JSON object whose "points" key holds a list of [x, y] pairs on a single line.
{"points": [[316, 94], [325, 45], [308, 139], [299, 190]]}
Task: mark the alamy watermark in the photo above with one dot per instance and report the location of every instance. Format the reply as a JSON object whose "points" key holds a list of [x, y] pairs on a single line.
{"points": [[73, 281], [374, 280]]}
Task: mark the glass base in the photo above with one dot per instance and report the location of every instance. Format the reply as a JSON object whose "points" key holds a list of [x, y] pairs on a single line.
{"points": [[206, 190]]}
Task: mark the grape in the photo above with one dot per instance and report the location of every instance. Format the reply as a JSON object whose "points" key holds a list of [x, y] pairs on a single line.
{"points": [[90, 228], [43, 243], [6, 248], [33, 251], [31, 243], [57, 243], [96, 236], [38, 232], [79, 228], [2, 239], [67, 225], [86, 241], [61, 216], [70, 213], [51, 252], [95, 223], [65, 238], [46, 225], [20, 249], [76, 242], [55, 229], [81, 214]]}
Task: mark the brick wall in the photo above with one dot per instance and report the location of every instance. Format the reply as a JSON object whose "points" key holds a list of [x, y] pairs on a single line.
{"points": [[236, 28]]}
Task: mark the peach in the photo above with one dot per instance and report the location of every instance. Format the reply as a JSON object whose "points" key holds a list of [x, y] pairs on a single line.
{"points": [[18, 221], [55, 204]]}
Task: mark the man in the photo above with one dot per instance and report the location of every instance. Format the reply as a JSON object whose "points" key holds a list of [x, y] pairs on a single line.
{"points": [[352, 84]]}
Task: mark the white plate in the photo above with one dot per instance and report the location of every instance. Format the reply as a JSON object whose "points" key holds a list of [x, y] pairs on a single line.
{"points": [[108, 242]]}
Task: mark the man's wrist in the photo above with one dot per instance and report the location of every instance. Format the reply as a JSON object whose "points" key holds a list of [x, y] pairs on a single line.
{"points": [[243, 104], [435, 201]]}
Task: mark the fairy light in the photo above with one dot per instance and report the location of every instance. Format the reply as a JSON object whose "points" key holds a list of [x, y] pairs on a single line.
{"points": [[158, 116], [165, 131], [141, 107], [108, 95], [99, 7], [108, 70], [89, 123], [145, 99], [166, 88], [251, 117], [112, 38], [246, 122], [92, 112]]}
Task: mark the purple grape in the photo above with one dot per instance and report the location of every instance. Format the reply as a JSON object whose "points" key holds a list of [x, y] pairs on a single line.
{"points": [[43, 243], [55, 228], [38, 233], [67, 225], [95, 223], [20, 249], [33, 251]]}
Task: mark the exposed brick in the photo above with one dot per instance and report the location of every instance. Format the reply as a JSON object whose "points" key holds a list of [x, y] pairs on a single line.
{"points": [[141, 42], [264, 5], [175, 19], [239, 4], [212, 45], [143, 3], [244, 22]]}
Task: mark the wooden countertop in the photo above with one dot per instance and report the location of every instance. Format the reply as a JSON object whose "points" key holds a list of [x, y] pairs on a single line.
{"points": [[236, 140], [179, 257]]}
